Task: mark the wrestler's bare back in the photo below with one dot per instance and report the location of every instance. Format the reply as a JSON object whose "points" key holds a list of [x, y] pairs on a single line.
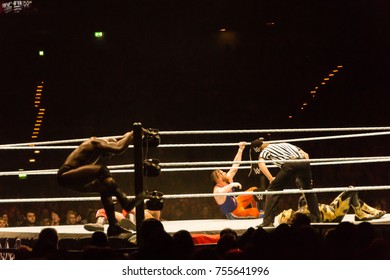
{"points": [[87, 153]]}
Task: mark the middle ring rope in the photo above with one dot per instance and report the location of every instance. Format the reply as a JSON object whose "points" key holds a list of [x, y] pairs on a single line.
{"points": [[221, 164], [205, 195]]}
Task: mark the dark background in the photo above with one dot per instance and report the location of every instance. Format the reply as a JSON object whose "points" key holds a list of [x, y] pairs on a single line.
{"points": [[166, 64]]}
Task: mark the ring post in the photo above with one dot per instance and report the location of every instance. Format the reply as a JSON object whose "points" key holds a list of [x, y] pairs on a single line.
{"points": [[138, 176]]}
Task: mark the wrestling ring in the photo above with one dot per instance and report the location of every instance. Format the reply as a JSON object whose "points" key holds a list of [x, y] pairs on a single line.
{"points": [[206, 227]]}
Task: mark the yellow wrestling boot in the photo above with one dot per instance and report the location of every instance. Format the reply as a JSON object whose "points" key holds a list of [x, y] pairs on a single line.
{"points": [[373, 211], [360, 215]]}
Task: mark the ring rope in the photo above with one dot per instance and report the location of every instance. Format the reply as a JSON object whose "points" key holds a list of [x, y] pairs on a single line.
{"points": [[37, 147], [372, 159], [205, 195], [331, 137], [289, 191], [211, 132], [274, 130], [269, 166], [11, 147], [314, 162]]}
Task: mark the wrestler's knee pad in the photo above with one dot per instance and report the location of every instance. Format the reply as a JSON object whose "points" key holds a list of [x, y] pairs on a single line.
{"points": [[101, 213]]}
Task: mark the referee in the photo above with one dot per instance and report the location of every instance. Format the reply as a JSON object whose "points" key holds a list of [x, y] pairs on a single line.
{"points": [[298, 171]]}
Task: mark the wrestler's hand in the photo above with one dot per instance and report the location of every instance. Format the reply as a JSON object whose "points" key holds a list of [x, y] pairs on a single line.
{"points": [[242, 145], [151, 137], [236, 185], [151, 132], [304, 154]]}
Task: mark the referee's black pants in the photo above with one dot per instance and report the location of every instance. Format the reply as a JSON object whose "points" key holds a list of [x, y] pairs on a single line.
{"points": [[301, 172]]}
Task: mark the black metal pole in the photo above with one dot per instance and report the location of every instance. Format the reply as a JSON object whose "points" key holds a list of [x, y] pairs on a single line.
{"points": [[138, 176]]}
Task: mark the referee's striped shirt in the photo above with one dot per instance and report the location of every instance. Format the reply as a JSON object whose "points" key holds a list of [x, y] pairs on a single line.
{"points": [[280, 151]]}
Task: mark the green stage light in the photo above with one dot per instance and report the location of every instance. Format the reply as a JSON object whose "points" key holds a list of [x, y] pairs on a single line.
{"points": [[98, 34], [22, 176]]}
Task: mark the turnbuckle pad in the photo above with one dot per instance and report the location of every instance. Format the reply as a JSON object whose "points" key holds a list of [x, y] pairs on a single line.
{"points": [[152, 167], [151, 138], [155, 201]]}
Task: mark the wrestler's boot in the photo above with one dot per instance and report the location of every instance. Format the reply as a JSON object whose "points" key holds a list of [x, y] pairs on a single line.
{"points": [[343, 202], [127, 204], [127, 224], [371, 210], [98, 226], [113, 229], [360, 215]]}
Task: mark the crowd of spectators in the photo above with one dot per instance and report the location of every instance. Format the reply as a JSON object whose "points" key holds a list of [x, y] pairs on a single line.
{"points": [[298, 241], [69, 213], [76, 213]]}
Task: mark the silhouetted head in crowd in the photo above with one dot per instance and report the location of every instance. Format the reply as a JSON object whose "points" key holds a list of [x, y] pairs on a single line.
{"points": [[99, 239], [47, 244], [299, 220], [228, 231], [183, 244]]}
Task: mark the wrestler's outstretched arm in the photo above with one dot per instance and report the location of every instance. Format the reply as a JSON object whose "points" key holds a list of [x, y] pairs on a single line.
{"points": [[233, 170], [115, 147]]}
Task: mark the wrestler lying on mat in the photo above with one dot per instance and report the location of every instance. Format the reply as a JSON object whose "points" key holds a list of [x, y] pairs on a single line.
{"points": [[234, 207], [127, 219], [335, 211]]}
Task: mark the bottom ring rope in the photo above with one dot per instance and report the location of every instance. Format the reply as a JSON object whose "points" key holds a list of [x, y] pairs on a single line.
{"points": [[205, 195]]}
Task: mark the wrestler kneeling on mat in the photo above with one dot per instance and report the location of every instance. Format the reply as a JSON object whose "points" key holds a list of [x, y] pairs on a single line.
{"points": [[234, 207], [335, 211]]}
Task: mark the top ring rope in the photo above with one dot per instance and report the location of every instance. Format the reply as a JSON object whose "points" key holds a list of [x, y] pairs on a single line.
{"points": [[204, 195], [280, 141], [275, 130], [33, 144], [31, 147]]}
